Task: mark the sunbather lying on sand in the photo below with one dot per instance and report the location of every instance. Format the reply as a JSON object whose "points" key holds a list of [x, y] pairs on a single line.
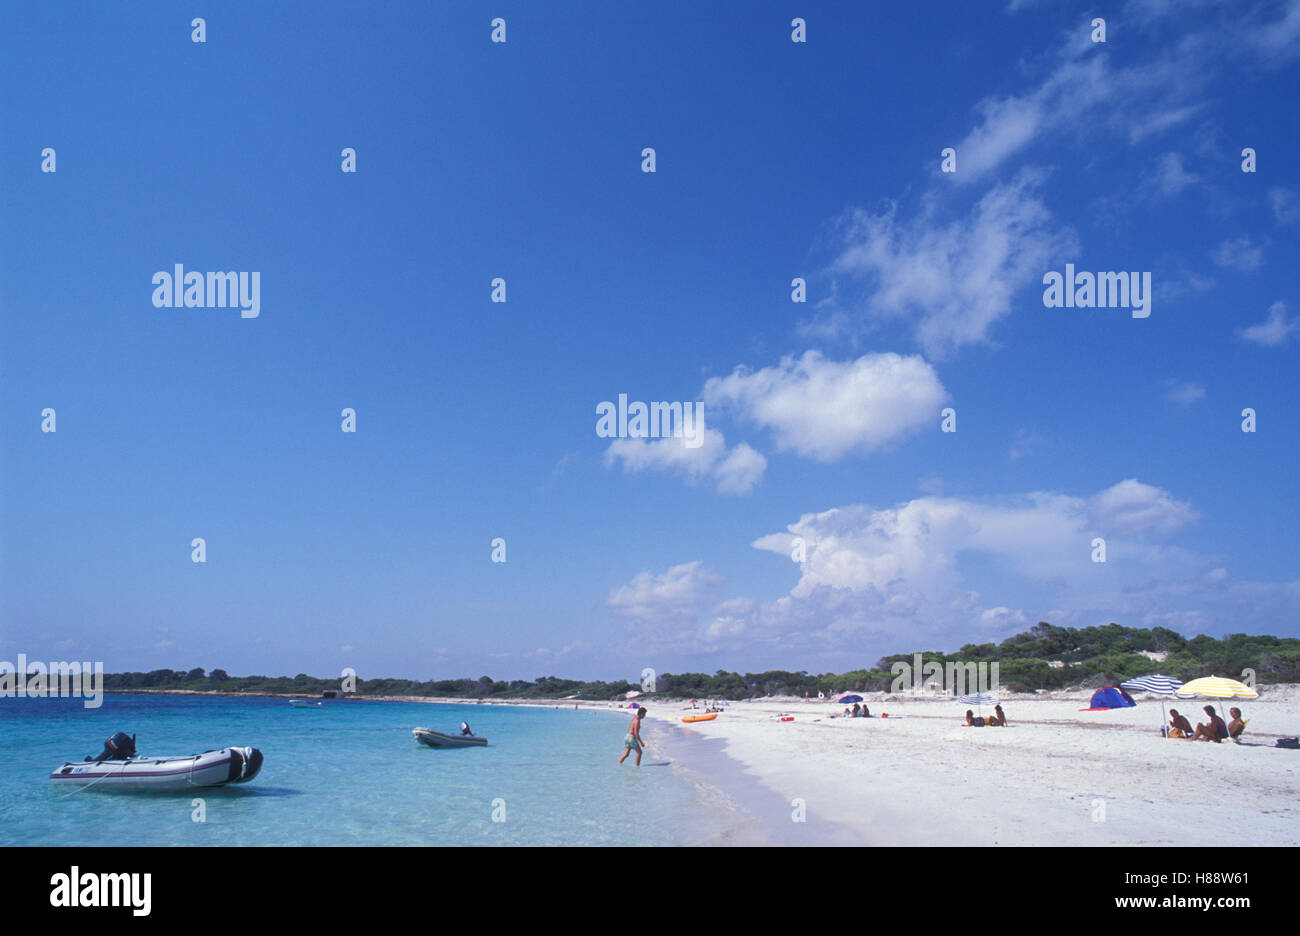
{"points": [[972, 721]]}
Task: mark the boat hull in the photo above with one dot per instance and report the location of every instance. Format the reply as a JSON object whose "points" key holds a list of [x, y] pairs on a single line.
{"points": [[694, 718], [163, 774], [440, 740]]}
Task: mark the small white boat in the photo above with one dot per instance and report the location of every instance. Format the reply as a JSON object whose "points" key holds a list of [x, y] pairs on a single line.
{"points": [[119, 768], [306, 703], [441, 739]]}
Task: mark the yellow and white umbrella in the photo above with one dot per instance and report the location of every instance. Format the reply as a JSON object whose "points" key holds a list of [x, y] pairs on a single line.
{"points": [[1215, 687]]}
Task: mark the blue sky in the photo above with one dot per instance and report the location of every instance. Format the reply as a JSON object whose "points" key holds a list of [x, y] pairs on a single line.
{"points": [[476, 420]]}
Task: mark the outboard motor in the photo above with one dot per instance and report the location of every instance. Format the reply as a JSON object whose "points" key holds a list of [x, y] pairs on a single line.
{"points": [[118, 747], [252, 764], [464, 728]]}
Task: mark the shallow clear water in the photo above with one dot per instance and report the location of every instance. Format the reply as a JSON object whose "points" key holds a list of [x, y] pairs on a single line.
{"points": [[348, 774]]}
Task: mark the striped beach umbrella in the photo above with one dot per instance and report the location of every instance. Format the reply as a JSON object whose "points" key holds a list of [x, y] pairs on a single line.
{"points": [[1215, 687], [1154, 684], [978, 699]]}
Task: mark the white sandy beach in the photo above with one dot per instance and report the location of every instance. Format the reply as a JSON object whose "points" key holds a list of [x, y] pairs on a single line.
{"points": [[1054, 776]]}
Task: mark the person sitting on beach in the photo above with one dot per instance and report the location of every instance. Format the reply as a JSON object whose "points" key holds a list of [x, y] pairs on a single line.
{"points": [[857, 711], [1215, 731], [1179, 726], [1237, 725], [972, 721], [1000, 717], [632, 742], [865, 713]]}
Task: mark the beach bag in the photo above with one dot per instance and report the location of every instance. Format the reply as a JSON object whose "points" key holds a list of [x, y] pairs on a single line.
{"points": [[1292, 743]]}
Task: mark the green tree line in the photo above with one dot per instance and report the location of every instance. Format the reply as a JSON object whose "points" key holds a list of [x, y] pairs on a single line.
{"points": [[1108, 654]]}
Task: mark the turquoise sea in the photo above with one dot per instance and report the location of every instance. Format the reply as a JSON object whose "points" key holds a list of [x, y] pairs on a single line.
{"points": [[351, 774]]}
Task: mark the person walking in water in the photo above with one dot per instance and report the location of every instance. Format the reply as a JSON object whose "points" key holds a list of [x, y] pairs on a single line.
{"points": [[633, 740]]}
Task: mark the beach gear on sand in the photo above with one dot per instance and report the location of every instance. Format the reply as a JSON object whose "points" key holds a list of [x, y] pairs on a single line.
{"points": [[440, 739], [695, 718], [1216, 687], [1109, 698], [1154, 684], [120, 768], [849, 699], [977, 699]]}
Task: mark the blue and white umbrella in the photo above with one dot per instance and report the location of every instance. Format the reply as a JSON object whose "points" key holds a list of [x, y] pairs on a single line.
{"points": [[977, 699], [1155, 684]]}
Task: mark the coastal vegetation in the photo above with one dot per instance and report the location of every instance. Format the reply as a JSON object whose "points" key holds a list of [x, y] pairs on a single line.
{"points": [[1045, 657]]}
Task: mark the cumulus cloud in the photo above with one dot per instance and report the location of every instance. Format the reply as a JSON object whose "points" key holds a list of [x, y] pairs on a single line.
{"points": [[734, 471], [827, 409], [955, 280], [1132, 507], [679, 594], [901, 573], [1275, 330]]}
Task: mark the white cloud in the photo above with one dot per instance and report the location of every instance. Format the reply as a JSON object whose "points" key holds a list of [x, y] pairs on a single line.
{"points": [[676, 609], [1276, 41], [901, 576], [1170, 176], [826, 409], [1081, 91], [915, 545], [1160, 121], [1184, 394], [955, 280], [681, 593], [736, 471], [1276, 330], [1285, 203], [1240, 254], [1134, 508]]}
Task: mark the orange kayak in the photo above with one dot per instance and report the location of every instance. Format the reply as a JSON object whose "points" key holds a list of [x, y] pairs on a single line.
{"points": [[695, 718]]}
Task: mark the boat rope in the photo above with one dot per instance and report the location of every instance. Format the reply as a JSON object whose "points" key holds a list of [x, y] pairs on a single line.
{"points": [[82, 789]]}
